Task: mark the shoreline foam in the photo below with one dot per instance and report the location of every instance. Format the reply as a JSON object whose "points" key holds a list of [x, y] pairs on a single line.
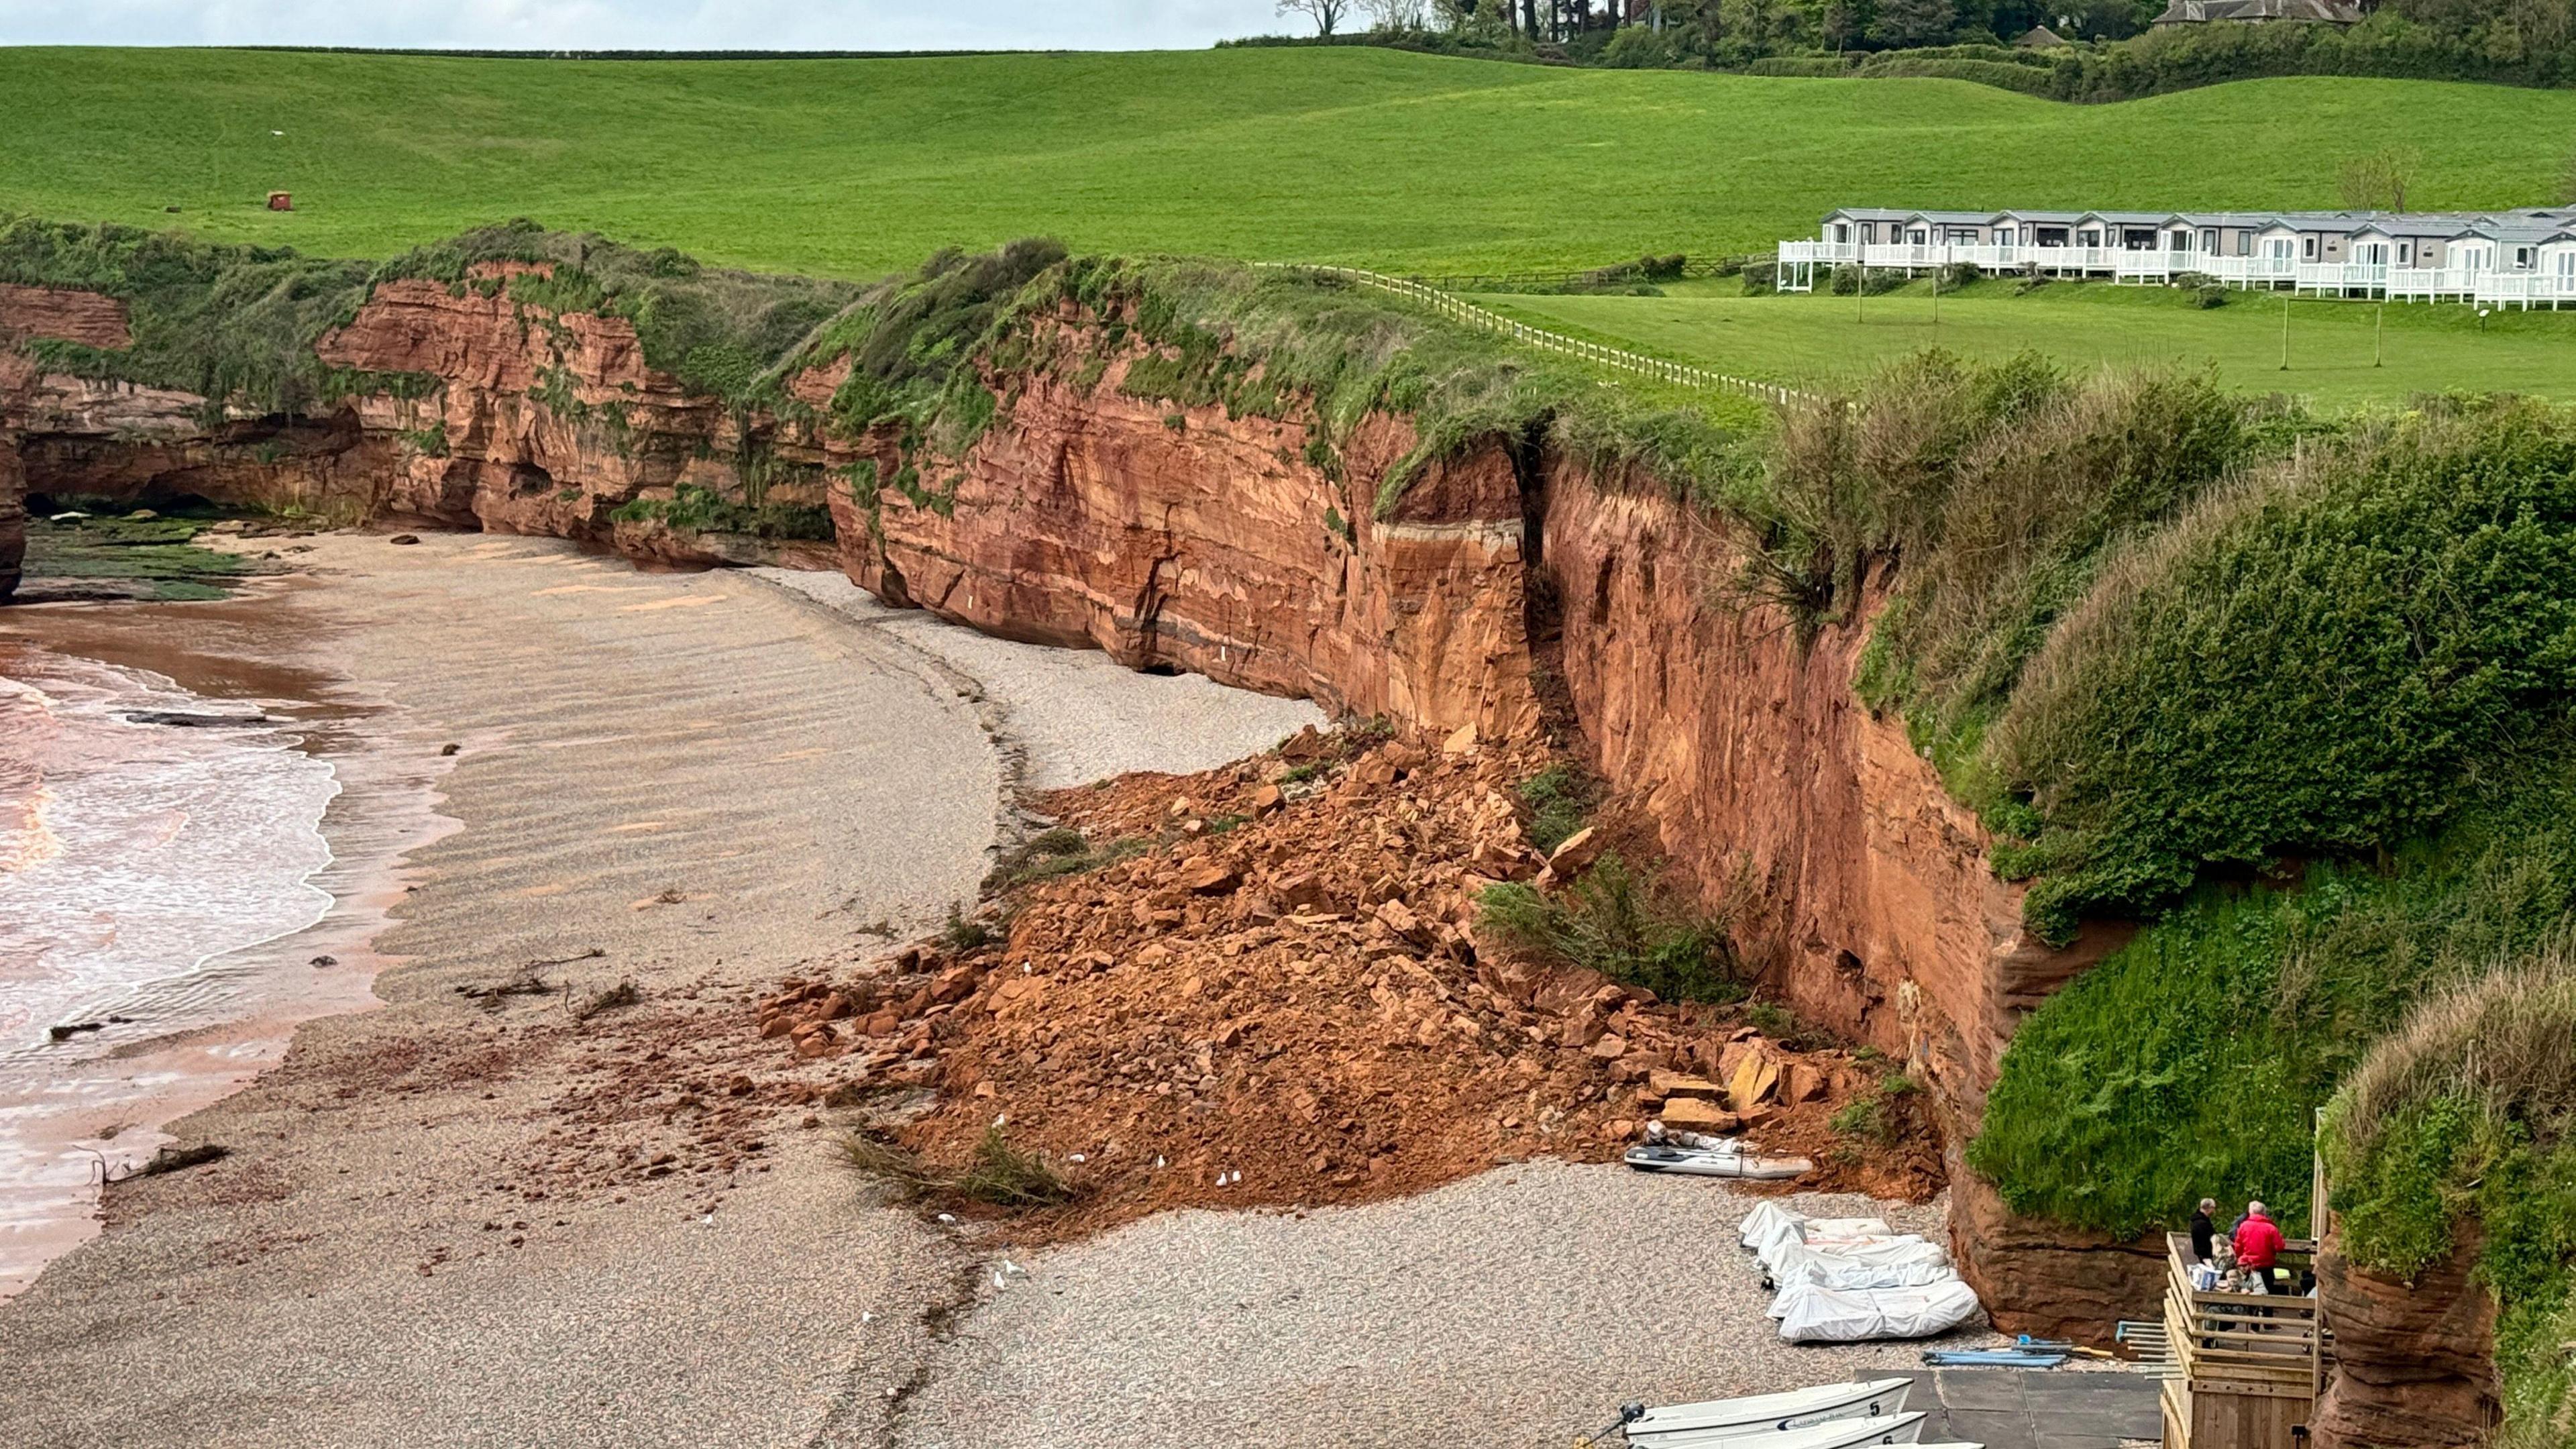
{"points": [[334, 807]]}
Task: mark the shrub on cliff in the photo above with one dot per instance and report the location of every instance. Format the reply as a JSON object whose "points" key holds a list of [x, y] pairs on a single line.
{"points": [[237, 324], [1993, 491], [1277, 342], [2310, 662], [718, 331], [2465, 1114], [2190, 1061], [228, 322], [1613, 921]]}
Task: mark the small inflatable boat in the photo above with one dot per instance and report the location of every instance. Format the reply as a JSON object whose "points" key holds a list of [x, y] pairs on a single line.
{"points": [[1712, 1162]]}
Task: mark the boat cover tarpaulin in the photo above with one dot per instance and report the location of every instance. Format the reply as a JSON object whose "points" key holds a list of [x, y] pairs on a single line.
{"points": [[1926, 1263], [1894, 1248], [1769, 1225], [1812, 1314]]}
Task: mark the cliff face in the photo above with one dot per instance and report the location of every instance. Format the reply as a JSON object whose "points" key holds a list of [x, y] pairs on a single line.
{"points": [[509, 419], [1186, 540], [1858, 886], [31, 314], [1190, 540], [2415, 1362]]}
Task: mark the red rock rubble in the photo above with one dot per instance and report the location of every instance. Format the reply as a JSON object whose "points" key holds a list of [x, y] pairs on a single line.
{"points": [[1282, 999]]}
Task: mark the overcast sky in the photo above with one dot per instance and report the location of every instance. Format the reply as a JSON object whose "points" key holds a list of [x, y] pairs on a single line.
{"points": [[644, 24]]}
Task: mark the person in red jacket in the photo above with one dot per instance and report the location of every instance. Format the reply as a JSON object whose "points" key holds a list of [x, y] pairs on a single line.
{"points": [[2258, 1244]]}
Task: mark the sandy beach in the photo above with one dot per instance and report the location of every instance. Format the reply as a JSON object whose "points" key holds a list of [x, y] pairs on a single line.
{"points": [[453, 1222], [537, 1216]]}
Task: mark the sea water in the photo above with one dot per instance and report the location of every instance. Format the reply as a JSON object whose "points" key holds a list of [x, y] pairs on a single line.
{"points": [[136, 857]]}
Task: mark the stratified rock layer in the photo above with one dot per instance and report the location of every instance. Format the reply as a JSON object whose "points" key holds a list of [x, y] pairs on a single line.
{"points": [[1188, 540], [2415, 1362]]}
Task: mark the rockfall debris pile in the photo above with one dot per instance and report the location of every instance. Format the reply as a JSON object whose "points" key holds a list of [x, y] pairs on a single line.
{"points": [[1264, 985]]}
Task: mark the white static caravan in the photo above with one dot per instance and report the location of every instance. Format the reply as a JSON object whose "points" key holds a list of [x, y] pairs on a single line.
{"points": [[2518, 258]]}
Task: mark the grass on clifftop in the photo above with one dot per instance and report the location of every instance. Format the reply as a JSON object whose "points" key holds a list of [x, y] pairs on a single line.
{"points": [[1269, 342], [238, 323], [858, 168], [1835, 342]]}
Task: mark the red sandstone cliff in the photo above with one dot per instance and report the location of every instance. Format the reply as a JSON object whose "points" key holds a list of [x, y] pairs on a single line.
{"points": [[34, 314], [2415, 1362], [1191, 541], [521, 422], [1196, 541]]}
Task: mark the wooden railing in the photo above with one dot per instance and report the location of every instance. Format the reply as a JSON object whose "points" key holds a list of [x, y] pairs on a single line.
{"points": [[2240, 1343]]}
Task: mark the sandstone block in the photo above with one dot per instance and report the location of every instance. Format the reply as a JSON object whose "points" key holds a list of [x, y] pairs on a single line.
{"points": [[1681, 1084], [1694, 1114], [1210, 878]]}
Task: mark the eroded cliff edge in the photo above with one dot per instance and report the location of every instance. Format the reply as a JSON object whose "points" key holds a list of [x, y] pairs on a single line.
{"points": [[1198, 536]]}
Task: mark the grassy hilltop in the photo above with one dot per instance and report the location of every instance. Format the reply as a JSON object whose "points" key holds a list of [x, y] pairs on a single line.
{"points": [[855, 168]]}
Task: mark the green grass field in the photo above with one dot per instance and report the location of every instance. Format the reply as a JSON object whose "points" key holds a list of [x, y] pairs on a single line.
{"points": [[1375, 157], [1822, 339]]}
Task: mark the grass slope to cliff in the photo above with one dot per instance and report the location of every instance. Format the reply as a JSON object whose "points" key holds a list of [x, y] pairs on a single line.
{"points": [[2296, 694], [926, 355], [1367, 156], [926, 351]]}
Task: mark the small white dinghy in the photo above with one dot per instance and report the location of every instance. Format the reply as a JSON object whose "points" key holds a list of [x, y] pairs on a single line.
{"points": [[1833, 1434], [1715, 1162], [1769, 1413]]}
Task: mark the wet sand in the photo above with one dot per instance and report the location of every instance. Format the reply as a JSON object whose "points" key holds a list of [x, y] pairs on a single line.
{"points": [[455, 1222]]}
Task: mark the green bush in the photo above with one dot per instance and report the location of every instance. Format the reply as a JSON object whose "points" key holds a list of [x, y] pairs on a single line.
{"points": [[696, 509], [1610, 921], [2464, 1114], [2190, 1062], [1560, 801], [2028, 80], [2309, 662]]}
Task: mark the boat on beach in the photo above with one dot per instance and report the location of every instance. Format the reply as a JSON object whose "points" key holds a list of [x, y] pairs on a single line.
{"points": [[1849, 1433], [1714, 1162], [1769, 1415]]}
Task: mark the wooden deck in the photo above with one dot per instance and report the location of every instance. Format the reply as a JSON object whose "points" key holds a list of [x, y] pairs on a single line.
{"points": [[2246, 1365]]}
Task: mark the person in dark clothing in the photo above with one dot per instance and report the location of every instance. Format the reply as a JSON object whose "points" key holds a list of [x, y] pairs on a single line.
{"points": [[2203, 1231]]}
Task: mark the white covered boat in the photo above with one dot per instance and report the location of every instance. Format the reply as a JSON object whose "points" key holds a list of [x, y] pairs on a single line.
{"points": [[1903, 1262], [1810, 1314], [1719, 1419], [1832, 1434]]}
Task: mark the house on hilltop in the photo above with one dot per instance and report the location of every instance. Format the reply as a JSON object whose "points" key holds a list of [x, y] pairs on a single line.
{"points": [[2255, 12]]}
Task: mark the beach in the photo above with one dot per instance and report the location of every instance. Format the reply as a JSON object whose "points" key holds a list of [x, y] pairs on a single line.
{"points": [[502, 1219], [527, 1175]]}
